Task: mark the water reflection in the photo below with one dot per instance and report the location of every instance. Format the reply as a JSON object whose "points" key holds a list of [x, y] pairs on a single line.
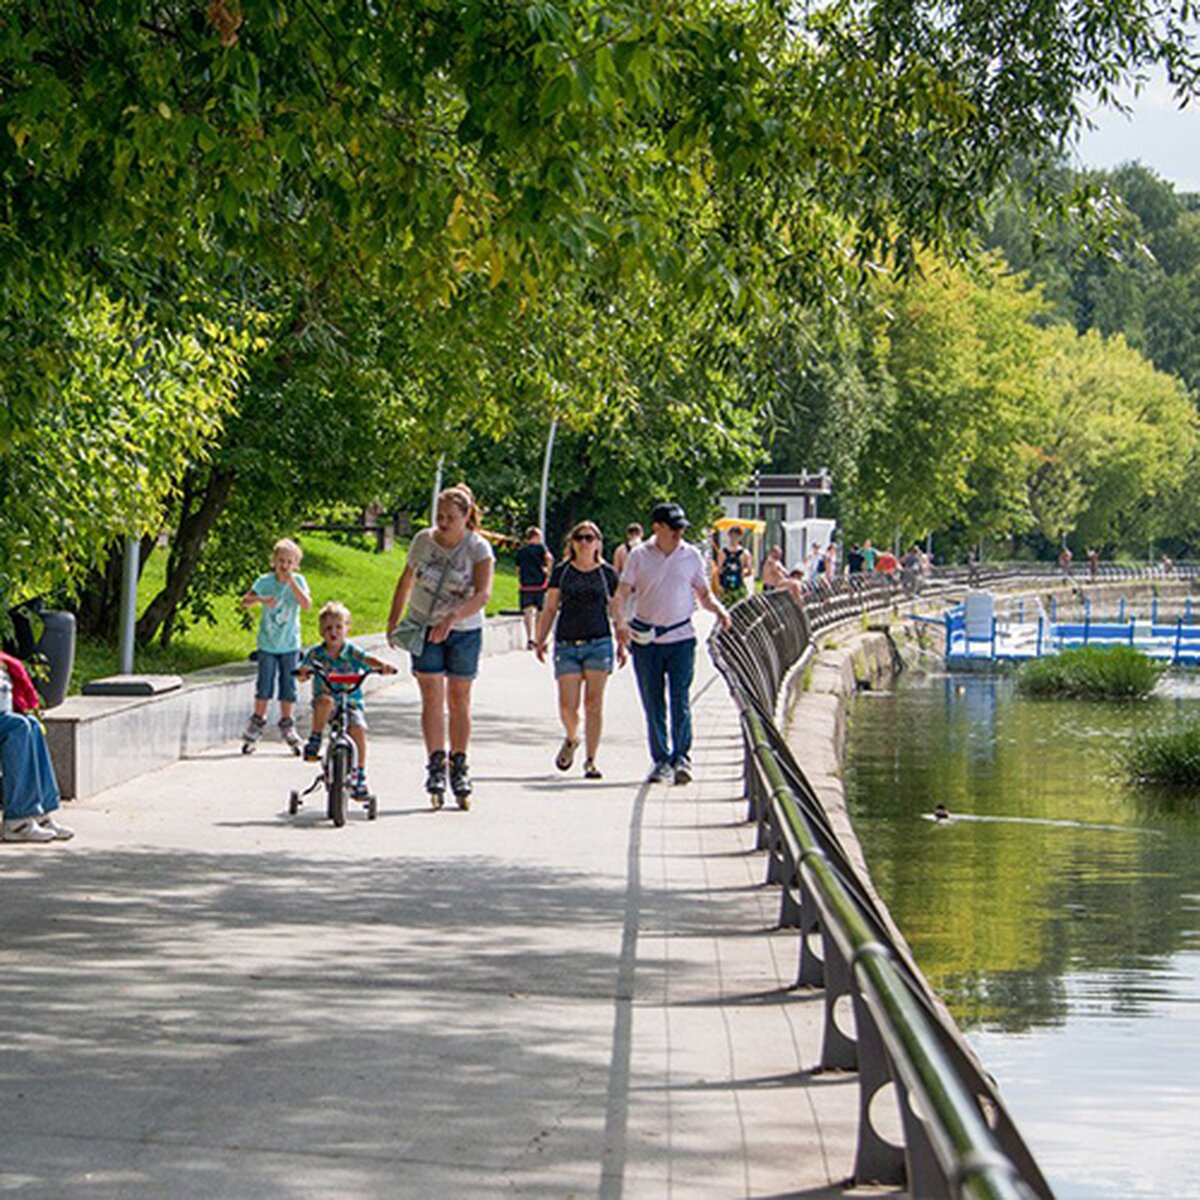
{"points": [[1058, 913]]}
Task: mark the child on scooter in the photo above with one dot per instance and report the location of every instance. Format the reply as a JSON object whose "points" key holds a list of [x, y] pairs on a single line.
{"points": [[334, 655], [282, 593]]}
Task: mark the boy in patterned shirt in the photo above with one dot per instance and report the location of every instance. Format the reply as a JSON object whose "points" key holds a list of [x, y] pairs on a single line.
{"points": [[336, 656]]}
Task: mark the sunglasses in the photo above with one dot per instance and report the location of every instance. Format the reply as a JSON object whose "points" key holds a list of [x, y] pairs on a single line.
{"points": [[583, 537]]}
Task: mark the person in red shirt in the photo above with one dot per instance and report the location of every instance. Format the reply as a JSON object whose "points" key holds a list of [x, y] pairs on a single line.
{"points": [[887, 563], [30, 789]]}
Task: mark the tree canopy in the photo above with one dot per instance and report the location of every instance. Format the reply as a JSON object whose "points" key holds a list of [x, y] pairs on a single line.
{"points": [[405, 225]]}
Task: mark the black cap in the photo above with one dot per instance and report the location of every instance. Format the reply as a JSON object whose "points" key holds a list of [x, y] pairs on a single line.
{"points": [[671, 515]]}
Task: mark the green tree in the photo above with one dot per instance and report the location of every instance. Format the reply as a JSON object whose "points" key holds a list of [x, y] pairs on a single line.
{"points": [[959, 349], [1118, 443], [133, 406]]}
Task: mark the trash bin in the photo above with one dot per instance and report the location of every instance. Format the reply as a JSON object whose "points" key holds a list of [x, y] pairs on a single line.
{"points": [[51, 634], [57, 643]]}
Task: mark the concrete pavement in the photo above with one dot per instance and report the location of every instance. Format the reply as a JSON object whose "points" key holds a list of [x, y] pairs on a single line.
{"points": [[575, 990]]}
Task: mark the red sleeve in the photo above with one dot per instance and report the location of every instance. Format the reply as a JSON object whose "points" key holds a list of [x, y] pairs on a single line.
{"points": [[24, 694]]}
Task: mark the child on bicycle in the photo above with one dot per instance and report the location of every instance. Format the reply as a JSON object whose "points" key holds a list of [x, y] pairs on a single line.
{"points": [[334, 655], [282, 593]]}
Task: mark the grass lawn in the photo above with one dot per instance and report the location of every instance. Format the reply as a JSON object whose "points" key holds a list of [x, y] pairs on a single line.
{"points": [[360, 579]]}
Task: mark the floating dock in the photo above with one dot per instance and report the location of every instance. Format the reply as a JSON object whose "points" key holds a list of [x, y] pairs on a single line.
{"points": [[985, 629]]}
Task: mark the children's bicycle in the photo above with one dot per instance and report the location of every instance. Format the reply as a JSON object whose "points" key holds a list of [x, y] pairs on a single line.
{"points": [[340, 761]]}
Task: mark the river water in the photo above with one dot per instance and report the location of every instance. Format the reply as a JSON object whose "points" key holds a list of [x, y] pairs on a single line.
{"points": [[1057, 912]]}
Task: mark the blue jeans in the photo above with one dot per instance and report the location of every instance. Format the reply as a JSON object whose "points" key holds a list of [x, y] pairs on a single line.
{"points": [[281, 665], [664, 675], [30, 789]]}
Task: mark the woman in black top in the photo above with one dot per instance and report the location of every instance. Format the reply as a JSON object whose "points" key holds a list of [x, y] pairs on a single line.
{"points": [[580, 595]]}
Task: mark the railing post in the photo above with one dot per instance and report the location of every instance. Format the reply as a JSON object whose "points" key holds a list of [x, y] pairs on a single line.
{"points": [[876, 1160], [839, 1051]]}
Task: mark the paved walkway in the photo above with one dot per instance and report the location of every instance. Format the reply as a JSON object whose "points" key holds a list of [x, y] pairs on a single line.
{"points": [[574, 990]]}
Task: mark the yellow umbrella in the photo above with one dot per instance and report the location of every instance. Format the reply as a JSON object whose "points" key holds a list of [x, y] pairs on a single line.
{"points": [[755, 525]]}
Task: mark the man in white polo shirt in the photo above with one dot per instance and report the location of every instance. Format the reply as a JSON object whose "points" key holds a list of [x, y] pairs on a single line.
{"points": [[666, 577]]}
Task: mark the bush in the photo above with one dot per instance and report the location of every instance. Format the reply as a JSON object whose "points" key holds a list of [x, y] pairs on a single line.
{"points": [[1092, 672], [1166, 756]]}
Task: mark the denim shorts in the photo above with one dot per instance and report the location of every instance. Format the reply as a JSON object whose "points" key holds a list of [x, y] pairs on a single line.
{"points": [[573, 658], [270, 665], [457, 656]]}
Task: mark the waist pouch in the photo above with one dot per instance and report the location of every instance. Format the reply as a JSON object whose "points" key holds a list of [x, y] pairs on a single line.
{"points": [[643, 633]]}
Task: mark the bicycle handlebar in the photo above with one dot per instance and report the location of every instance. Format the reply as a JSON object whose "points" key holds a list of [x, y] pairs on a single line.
{"points": [[338, 680]]}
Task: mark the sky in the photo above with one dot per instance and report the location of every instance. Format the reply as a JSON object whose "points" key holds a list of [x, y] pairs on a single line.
{"points": [[1157, 134]]}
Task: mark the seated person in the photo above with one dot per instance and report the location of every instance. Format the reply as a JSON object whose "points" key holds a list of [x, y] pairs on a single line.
{"points": [[336, 656], [774, 574], [30, 789]]}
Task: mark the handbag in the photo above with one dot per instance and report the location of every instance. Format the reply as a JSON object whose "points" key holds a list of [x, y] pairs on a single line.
{"points": [[410, 633]]}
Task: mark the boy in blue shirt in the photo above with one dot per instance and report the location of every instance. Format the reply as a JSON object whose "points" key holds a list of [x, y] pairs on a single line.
{"points": [[282, 593], [336, 656]]}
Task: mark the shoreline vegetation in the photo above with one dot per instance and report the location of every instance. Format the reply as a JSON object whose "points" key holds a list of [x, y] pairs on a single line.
{"points": [[1165, 757], [1092, 673]]}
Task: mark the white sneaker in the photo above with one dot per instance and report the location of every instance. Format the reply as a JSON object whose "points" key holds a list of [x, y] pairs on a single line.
{"points": [[25, 829], [661, 773], [61, 832]]}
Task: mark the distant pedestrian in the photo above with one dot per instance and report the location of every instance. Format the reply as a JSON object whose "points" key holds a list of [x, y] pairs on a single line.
{"points": [[634, 534], [854, 559], [735, 568], [910, 570], [829, 565], [581, 597], [445, 586], [633, 538], [812, 566], [972, 568], [870, 556], [281, 593], [1064, 561], [666, 578], [534, 563], [773, 573]]}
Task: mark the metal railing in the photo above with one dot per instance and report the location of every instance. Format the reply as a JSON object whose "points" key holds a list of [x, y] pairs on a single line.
{"points": [[880, 1017]]}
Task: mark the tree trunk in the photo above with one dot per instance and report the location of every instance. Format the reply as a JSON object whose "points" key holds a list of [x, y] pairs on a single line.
{"points": [[98, 612], [194, 525]]}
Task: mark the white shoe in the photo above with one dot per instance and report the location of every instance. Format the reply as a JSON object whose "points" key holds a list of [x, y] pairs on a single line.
{"points": [[25, 829], [61, 832]]}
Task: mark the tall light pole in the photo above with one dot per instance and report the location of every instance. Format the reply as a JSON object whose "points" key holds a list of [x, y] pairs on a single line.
{"points": [[437, 487], [129, 585], [546, 474]]}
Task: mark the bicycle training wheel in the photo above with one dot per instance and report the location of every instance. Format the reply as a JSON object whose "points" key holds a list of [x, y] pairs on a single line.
{"points": [[339, 784]]}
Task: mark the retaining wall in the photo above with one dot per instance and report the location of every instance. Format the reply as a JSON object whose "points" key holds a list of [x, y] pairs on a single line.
{"points": [[99, 741]]}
